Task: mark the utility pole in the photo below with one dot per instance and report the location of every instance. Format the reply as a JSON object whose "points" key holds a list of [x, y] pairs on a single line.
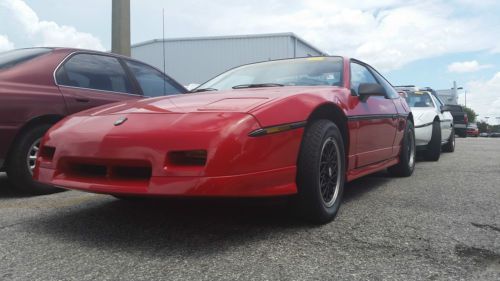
{"points": [[120, 27], [465, 92]]}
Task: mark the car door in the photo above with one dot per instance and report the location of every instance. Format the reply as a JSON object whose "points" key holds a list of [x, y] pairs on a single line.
{"points": [[445, 117], [88, 80], [152, 82], [375, 119]]}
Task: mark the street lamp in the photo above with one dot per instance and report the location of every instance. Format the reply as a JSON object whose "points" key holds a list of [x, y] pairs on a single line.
{"points": [[465, 92]]}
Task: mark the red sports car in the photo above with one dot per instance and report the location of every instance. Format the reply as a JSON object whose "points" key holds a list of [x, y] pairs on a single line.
{"points": [[297, 127]]}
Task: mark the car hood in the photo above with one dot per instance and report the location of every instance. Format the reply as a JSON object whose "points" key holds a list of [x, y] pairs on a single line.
{"points": [[423, 114], [240, 100]]}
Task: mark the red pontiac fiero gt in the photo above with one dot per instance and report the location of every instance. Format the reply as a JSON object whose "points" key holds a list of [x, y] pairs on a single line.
{"points": [[288, 127]]}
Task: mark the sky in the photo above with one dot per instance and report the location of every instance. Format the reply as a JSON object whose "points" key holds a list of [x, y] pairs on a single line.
{"points": [[423, 42]]}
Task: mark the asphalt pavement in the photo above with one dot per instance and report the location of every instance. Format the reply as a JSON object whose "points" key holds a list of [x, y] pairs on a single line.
{"points": [[443, 223]]}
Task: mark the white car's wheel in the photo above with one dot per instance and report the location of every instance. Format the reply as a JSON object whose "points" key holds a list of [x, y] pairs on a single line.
{"points": [[433, 151], [450, 145]]}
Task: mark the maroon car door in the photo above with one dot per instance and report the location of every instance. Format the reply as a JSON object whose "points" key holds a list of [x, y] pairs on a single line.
{"points": [[375, 119], [88, 80]]}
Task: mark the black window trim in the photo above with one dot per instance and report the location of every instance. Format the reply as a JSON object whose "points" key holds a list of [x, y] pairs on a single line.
{"points": [[367, 66], [136, 90], [371, 70]]}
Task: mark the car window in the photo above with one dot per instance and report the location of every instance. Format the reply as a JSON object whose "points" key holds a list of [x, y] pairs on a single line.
{"points": [[311, 71], [15, 57], [419, 99], [438, 100], [94, 72], [152, 82], [389, 89], [360, 74]]}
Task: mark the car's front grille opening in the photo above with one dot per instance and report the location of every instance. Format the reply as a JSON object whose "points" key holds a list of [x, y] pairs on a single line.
{"points": [[124, 172], [88, 170], [47, 153], [188, 158], [107, 169]]}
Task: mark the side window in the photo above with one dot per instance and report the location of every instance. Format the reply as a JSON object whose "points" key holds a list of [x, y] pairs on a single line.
{"points": [[94, 72], [152, 82], [360, 74], [439, 102], [391, 92]]}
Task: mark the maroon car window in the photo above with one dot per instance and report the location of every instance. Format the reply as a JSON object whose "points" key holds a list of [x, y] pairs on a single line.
{"points": [[152, 82], [12, 58], [94, 72]]}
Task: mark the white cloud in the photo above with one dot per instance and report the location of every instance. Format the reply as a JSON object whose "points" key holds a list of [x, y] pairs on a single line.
{"points": [[466, 66], [49, 33], [484, 96], [5, 44], [385, 33]]}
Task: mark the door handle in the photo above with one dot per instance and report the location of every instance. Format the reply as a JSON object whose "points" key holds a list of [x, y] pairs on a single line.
{"points": [[82, 100]]}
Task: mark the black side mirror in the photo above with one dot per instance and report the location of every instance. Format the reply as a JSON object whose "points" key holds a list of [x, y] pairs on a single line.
{"points": [[366, 90], [445, 108]]}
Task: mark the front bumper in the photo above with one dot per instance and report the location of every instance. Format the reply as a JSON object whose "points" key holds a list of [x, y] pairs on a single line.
{"points": [[236, 164], [266, 183]]}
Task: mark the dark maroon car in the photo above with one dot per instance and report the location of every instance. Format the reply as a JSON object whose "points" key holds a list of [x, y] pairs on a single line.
{"points": [[40, 86]]}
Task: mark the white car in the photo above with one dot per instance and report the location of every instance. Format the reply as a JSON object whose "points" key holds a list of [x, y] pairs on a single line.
{"points": [[433, 124]]}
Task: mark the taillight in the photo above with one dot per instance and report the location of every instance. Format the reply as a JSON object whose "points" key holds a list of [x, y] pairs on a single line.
{"points": [[466, 118]]}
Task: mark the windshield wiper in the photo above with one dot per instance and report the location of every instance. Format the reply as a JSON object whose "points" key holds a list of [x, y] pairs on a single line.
{"points": [[203, 90], [242, 86]]}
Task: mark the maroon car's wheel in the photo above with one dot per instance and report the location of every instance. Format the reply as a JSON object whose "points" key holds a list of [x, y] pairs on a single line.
{"points": [[321, 172], [22, 160]]}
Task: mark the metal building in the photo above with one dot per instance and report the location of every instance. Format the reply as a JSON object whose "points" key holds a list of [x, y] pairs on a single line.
{"points": [[197, 59]]}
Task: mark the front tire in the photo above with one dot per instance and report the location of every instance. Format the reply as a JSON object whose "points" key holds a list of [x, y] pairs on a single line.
{"points": [[433, 151], [320, 172], [22, 160], [450, 145], [406, 163]]}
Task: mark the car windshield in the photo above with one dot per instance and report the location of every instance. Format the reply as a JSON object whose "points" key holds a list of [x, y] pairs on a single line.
{"points": [[417, 99], [14, 57], [312, 71]]}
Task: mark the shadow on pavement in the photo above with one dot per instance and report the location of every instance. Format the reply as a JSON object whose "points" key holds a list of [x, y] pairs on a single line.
{"points": [[359, 187], [180, 225], [7, 190]]}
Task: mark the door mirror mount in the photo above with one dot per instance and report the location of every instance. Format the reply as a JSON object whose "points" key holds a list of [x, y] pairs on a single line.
{"points": [[365, 90], [445, 108]]}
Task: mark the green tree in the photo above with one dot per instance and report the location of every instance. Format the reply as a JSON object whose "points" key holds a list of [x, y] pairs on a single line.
{"points": [[471, 114], [482, 126]]}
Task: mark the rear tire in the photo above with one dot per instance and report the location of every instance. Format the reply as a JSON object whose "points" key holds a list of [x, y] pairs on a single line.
{"points": [[320, 172], [433, 151], [406, 163], [18, 165], [450, 145]]}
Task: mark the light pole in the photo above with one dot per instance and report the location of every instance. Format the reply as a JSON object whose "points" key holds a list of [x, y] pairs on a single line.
{"points": [[120, 27], [461, 88]]}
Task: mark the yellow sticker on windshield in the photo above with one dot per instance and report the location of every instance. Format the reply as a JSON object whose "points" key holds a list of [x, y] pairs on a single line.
{"points": [[316, 58]]}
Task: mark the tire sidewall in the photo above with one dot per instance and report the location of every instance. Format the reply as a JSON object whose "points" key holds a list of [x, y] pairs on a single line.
{"points": [[17, 169], [309, 191]]}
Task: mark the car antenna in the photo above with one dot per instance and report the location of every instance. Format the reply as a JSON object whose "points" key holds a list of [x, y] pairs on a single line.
{"points": [[163, 46]]}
